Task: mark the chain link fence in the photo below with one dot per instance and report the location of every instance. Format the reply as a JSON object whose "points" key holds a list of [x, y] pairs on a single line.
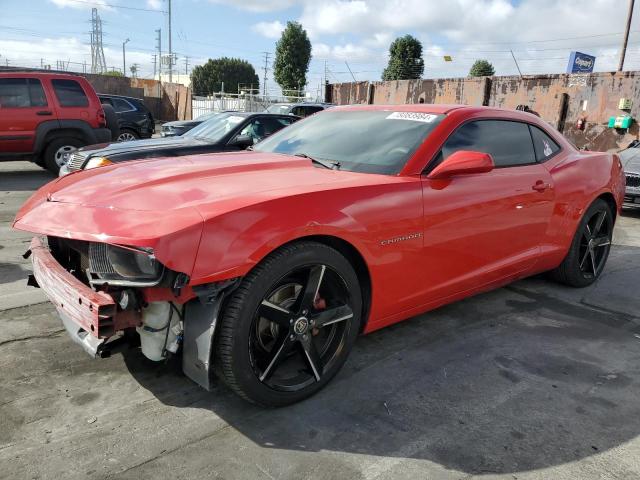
{"points": [[241, 102]]}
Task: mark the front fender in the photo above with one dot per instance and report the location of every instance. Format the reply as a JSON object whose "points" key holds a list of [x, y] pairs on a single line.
{"points": [[234, 243]]}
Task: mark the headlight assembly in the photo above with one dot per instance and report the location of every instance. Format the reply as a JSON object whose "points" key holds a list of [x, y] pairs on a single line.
{"points": [[97, 162], [123, 265]]}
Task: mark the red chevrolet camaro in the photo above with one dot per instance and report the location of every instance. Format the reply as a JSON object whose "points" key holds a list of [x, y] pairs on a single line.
{"points": [[265, 266]]}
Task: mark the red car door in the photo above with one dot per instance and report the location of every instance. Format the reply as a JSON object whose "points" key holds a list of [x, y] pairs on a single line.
{"points": [[481, 228], [23, 105]]}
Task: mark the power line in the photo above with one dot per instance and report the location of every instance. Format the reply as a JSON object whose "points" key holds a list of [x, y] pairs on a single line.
{"points": [[97, 4]]}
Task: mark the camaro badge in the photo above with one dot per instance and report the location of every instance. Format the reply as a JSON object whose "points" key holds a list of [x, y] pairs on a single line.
{"points": [[411, 236]]}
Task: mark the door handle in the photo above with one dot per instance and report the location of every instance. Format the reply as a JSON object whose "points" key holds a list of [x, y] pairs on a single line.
{"points": [[540, 186], [44, 112]]}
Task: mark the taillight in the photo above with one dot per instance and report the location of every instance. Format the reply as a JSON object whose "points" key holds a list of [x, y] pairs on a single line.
{"points": [[102, 120]]}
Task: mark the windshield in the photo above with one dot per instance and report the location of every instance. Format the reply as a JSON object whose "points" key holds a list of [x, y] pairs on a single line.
{"points": [[215, 128], [206, 116], [281, 109], [360, 141]]}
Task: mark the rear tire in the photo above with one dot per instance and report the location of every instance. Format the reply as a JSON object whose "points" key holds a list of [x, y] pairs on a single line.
{"points": [[112, 120], [290, 325], [53, 154], [589, 249], [127, 135]]}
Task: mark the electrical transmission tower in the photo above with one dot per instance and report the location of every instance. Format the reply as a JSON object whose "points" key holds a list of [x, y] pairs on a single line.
{"points": [[98, 63], [264, 77]]}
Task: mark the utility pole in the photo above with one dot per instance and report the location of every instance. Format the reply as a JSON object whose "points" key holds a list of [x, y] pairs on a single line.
{"points": [[349, 68], [623, 52], [155, 59], [170, 51], [186, 65], [124, 61], [159, 47], [516, 62], [264, 77]]}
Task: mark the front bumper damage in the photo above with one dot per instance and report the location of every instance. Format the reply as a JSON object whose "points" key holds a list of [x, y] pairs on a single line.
{"points": [[90, 317], [93, 318]]}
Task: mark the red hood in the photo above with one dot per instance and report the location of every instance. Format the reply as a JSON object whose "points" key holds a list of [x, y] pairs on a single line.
{"points": [[194, 181], [164, 203]]}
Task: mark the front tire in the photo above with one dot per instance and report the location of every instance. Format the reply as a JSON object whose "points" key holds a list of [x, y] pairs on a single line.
{"points": [[57, 149], [290, 325], [589, 249]]}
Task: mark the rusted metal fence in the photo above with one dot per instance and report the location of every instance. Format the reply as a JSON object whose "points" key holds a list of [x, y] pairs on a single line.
{"points": [[579, 105]]}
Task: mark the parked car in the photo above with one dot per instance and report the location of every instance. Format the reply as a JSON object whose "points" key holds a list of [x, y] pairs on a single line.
{"points": [[178, 127], [226, 131], [303, 109], [268, 264], [134, 118], [630, 158], [45, 116]]}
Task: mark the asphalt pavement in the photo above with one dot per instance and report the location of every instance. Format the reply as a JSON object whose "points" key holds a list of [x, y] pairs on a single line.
{"points": [[531, 381]]}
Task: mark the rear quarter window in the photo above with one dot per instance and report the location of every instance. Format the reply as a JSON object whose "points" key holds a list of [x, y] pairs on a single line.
{"points": [[69, 93], [544, 145]]}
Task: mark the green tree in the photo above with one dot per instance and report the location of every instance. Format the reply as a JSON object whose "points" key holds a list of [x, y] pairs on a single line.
{"points": [[113, 73], [482, 68], [293, 53], [208, 78], [405, 59]]}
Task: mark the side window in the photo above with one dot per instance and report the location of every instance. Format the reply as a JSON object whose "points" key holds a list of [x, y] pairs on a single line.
{"points": [[36, 93], [120, 105], [70, 93], [298, 111], [509, 143], [312, 110], [272, 125], [545, 147], [14, 93], [254, 129], [21, 93]]}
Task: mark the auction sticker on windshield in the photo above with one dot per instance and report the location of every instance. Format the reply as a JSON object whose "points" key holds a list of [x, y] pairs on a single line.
{"points": [[415, 116]]}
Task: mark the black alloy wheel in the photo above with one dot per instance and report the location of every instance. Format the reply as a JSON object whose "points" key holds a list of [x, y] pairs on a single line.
{"points": [[595, 243], [590, 247], [280, 344]]}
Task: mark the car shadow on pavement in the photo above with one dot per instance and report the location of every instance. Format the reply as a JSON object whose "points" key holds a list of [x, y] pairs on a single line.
{"points": [[24, 180], [10, 272], [522, 378]]}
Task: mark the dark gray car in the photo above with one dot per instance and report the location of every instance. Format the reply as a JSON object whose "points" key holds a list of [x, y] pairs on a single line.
{"points": [[224, 132]]}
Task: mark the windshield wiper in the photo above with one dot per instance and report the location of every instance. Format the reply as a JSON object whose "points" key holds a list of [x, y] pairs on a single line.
{"points": [[331, 165]]}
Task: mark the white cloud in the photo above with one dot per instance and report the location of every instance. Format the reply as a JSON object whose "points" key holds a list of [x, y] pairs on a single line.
{"points": [[29, 53], [82, 5], [269, 29], [154, 4], [258, 5]]}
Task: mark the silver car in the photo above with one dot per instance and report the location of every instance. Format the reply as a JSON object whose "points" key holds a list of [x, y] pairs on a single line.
{"points": [[631, 163]]}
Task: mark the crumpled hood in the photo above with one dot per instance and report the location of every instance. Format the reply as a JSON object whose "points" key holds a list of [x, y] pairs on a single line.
{"points": [[203, 182]]}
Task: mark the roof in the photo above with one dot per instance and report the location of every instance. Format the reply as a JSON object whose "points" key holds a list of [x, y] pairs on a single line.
{"points": [[119, 96], [37, 73], [411, 107]]}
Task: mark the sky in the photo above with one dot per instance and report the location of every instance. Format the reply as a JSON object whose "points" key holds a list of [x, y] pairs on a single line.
{"points": [[541, 33]]}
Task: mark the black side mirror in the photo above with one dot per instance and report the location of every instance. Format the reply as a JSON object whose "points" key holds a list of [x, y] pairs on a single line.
{"points": [[241, 141]]}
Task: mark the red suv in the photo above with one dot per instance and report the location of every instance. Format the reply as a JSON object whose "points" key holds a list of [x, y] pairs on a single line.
{"points": [[44, 116]]}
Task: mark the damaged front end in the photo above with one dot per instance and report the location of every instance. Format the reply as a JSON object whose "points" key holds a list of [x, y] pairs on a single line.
{"points": [[105, 292]]}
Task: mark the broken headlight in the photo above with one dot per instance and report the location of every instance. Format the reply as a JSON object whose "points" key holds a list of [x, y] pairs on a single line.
{"points": [[123, 265]]}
